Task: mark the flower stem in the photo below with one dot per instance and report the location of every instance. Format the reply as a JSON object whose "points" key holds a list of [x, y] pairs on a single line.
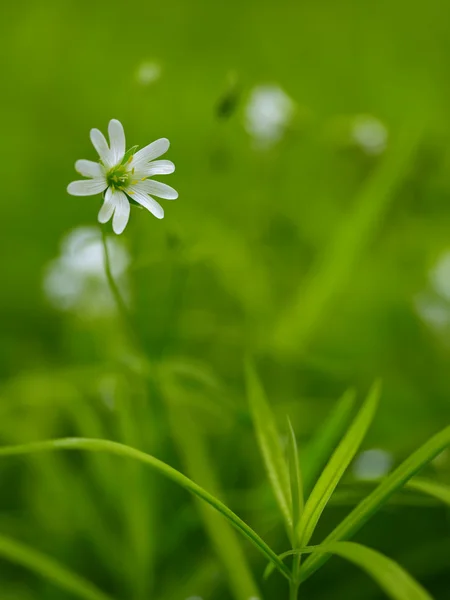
{"points": [[120, 302], [112, 283]]}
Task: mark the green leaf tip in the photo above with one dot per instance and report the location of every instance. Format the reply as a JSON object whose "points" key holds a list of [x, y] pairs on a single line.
{"points": [[295, 479], [337, 465], [269, 443], [378, 498]]}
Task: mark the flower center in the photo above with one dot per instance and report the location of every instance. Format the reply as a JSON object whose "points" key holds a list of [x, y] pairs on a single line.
{"points": [[118, 177]]}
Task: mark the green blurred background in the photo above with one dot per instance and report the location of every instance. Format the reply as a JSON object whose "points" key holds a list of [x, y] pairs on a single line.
{"points": [[312, 229]]}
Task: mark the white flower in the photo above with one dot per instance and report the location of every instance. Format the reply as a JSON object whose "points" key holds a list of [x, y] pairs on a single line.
{"points": [[121, 177]]}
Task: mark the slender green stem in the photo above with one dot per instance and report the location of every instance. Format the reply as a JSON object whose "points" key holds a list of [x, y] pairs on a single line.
{"points": [[294, 584], [111, 281], [120, 302]]}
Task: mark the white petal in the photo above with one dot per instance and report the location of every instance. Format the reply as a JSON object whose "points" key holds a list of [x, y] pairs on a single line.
{"points": [[121, 213], [88, 168], [150, 152], [147, 202], [87, 187], [108, 207], [116, 140], [159, 189], [100, 144], [157, 167]]}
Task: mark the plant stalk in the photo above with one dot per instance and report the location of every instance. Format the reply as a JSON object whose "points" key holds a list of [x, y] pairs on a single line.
{"points": [[293, 589], [111, 281], [118, 299]]}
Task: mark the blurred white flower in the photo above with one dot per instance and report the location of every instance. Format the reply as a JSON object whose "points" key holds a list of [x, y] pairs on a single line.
{"points": [[268, 113], [370, 134], [121, 177], [148, 72], [76, 281], [372, 464]]}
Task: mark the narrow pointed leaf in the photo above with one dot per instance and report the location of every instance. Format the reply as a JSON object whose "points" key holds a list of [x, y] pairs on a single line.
{"points": [[269, 444], [430, 488], [326, 439], [336, 467], [295, 479], [390, 576], [426, 487], [98, 445], [378, 498], [50, 569]]}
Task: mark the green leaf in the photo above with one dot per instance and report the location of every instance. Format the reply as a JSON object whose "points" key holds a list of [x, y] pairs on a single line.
{"points": [[48, 568], [336, 467], [390, 576], [376, 500], [434, 490], [269, 444], [97, 445], [295, 479], [430, 488], [326, 439]]}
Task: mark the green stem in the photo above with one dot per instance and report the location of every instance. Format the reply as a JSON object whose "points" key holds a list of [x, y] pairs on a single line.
{"points": [[293, 590], [120, 302], [112, 283], [295, 582]]}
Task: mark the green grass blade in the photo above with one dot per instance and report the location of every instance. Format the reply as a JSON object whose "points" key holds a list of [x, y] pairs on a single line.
{"points": [[48, 568], [374, 501], [295, 478], [298, 324], [326, 439], [269, 444], [435, 491], [336, 466], [430, 488], [390, 576], [111, 447]]}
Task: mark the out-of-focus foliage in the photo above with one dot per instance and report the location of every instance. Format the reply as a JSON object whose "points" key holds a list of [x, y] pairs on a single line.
{"points": [[312, 145]]}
